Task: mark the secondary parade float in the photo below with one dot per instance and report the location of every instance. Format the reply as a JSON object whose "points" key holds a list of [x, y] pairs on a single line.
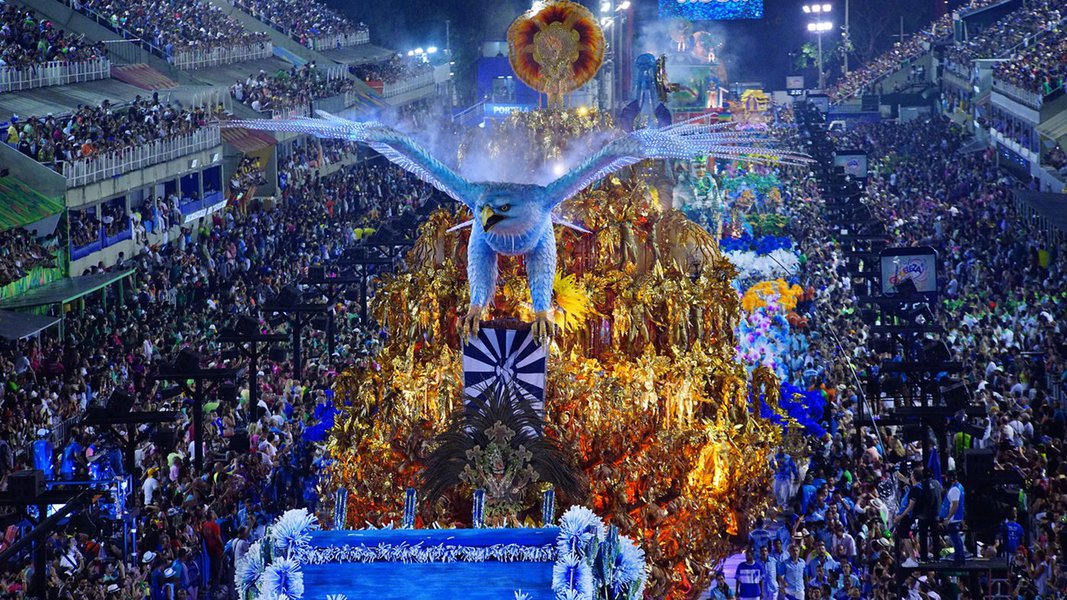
{"points": [[611, 377]]}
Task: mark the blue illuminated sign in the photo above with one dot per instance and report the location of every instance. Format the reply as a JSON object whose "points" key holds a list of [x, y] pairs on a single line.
{"points": [[503, 110], [711, 10]]}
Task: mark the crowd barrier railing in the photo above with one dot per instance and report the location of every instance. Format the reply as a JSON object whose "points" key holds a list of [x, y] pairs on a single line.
{"points": [[84, 171], [1027, 97], [193, 58], [302, 109], [319, 43], [407, 85], [1057, 389], [197, 58], [55, 72], [61, 431], [339, 40], [105, 21], [331, 104]]}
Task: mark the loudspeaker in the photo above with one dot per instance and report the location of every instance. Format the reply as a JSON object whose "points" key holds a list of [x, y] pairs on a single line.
{"points": [[977, 463], [320, 323], [227, 393], [165, 440], [27, 483], [277, 354], [187, 361], [247, 325], [120, 402], [912, 433], [288, 297], [239, 443], [935, 351], [956, 395]]}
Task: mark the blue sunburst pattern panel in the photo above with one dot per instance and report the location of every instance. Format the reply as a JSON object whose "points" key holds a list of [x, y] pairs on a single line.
{"points": [[501, 356]]}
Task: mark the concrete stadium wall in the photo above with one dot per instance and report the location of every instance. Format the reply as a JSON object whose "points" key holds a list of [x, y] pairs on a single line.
{"points": [[32, 173], [102, 190]]}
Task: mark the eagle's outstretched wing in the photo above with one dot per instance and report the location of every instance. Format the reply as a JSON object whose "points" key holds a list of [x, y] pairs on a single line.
{"points": [[390, 143], [684, 140]]}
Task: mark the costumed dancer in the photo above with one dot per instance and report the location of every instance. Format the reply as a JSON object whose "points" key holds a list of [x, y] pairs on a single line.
{"points": [[707, 192]]}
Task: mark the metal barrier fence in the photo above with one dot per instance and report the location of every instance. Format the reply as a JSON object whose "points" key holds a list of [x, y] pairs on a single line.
{"points": [[471, 115], [214, 57], [89, 170], [124, 52], [1030, 98], [55, 72], [408, 85], [213, 99], [61, 432], [104, 21], [340, 40], [331, 104], [1057, 389], [302, 109], [184, 59]]}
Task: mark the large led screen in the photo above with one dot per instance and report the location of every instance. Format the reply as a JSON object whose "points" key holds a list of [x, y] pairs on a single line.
{"points": [[711, 10]]}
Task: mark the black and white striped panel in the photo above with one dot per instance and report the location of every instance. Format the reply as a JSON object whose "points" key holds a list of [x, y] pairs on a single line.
{"points": [[505, 357]]}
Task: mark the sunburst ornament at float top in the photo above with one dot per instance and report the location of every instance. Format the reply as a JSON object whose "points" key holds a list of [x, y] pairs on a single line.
{"points": [[555, 48]]}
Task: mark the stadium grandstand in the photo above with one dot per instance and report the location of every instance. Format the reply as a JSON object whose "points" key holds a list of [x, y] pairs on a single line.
{"points": [[180, 300]]}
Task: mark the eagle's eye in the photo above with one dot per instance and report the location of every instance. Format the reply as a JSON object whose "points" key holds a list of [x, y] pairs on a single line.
{"points": [[505, 207]]}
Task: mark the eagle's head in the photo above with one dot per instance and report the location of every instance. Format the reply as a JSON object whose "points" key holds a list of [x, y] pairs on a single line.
{"points": [[509, 209]]}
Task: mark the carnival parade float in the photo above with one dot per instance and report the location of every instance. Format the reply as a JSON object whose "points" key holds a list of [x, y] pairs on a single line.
{"points": [[570, 340]]}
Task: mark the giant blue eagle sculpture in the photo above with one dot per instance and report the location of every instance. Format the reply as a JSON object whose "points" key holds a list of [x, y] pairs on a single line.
{"points": [[516, 219]]}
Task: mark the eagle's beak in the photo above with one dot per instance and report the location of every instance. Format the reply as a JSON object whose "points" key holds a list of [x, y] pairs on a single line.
{"points": [[490, 217]]}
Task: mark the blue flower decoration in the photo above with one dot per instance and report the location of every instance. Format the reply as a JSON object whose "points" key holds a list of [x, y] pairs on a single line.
{"points": [[572, 578], [577, 528], [283, 580], [249, 568], [292, 530]]}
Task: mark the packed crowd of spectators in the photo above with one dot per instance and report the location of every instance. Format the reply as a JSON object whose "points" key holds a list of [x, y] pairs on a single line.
{"points": [[174, 25], [114, 218], [27, 42], [900, 55], [91, 131], [310, 155], [397, 68], [191, 524], [288, 89], [1057, 159], [84, 227], [20, 253], [992, 42], [1040, 68], [305, 22], [1012, 127], [249, 174], [852, 520]]}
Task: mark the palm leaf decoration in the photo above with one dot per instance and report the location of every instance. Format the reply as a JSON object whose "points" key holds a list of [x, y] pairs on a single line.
{"points": [[497, 442]]}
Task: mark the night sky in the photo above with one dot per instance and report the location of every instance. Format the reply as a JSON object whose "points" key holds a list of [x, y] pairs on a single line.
{"points": [[761, 50]]}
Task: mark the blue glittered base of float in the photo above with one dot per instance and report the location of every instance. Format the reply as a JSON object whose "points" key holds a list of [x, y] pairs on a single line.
{"points": [[460, 564]]}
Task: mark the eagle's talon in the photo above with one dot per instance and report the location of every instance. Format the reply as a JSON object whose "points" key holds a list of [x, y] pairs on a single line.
{"points": [[472, 321], [542, 327]]}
